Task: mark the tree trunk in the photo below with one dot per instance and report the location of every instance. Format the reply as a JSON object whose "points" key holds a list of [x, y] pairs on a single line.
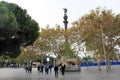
{"points": [[98, 60], [108, 63], [99, 67]]}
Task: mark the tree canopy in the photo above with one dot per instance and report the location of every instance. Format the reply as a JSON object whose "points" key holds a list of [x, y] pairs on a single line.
{"points": [[85, 32], [100, 23], [17, 29]]}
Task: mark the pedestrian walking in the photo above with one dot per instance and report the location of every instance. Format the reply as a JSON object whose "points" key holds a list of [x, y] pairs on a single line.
{"points": [[30, 68], [50, 67], [38, 68], [63, 69], [26, 69], [47, 68], [42, 67], [56, 70]]}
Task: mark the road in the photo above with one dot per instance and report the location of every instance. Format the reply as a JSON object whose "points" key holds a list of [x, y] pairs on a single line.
{"points": [[87, 73]]}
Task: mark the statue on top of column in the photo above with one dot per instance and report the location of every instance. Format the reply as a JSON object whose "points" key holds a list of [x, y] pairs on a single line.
{"points": [[65, 10]]}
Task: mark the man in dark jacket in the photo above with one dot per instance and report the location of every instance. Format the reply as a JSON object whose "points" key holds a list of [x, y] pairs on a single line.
{"points": [[63, 69], [56, 70]]}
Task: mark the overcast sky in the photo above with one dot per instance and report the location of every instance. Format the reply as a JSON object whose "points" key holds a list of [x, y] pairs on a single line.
{"points": [[51, 11]]}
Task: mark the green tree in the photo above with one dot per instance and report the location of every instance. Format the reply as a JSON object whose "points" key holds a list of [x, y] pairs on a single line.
{"points": [[99, 25], [16, 29], [75, 39], [53, 40]]}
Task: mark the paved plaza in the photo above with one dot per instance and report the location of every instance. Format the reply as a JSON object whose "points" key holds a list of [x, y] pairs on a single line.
{"points": [[87, 73]]}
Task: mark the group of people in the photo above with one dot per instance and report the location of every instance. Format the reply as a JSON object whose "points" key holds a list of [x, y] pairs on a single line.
{"points": [[61, 68], [28, 68], [48, 68]]}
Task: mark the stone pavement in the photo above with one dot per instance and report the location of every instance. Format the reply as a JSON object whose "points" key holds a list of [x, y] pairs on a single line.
{"points": [[87, 73]]}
